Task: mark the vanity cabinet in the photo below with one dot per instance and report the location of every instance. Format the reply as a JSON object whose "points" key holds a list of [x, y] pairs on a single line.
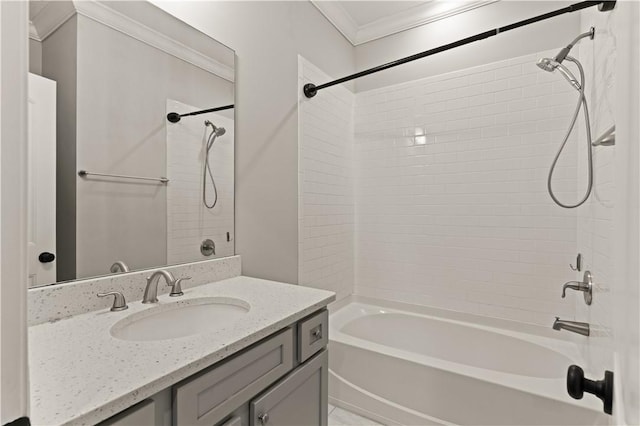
{"points": [[281, 380]]}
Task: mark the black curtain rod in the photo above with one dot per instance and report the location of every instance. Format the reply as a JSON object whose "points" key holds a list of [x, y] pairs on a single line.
{"points": [[310, 89], [174, 117]]}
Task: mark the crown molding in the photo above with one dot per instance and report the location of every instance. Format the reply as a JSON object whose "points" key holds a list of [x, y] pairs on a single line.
{"points": [[56, 13], [339, 18], [402, 21]]}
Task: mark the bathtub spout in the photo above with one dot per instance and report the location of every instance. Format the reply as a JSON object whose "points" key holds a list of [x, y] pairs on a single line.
{"points": [[572, 326]]}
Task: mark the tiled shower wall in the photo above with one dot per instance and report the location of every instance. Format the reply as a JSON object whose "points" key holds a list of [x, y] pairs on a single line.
{"points": [[595, 217], [452, 207], [326, 201]]}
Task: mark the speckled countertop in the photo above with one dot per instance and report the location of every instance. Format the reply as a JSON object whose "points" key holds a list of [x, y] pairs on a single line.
{"points": [[80, 374]]}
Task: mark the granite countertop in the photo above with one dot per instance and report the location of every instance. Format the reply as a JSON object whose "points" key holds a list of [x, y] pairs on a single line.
{"points": [[80, 374]]}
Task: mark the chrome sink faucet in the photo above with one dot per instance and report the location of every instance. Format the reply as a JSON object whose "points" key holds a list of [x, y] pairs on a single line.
{"points": [[572, 326], [151, 291]]}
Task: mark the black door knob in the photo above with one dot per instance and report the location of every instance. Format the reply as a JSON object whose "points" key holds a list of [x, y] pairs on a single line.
{"points": [[46, 257], [577, 385]]}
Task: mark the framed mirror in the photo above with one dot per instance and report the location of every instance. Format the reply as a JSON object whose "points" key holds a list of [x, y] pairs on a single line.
{"points": [[115, 186]]}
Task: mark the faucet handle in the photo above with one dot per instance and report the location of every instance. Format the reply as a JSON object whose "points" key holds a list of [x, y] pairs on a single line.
{"points": [[586, 286], [119, 303], [176, 287]]}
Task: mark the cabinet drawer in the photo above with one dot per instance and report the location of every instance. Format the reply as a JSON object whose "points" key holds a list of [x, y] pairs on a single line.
{"points": [[300, 399], [313, 335], [212, 395]]}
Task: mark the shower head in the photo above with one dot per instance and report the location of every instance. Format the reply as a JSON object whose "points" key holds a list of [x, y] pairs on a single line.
{"points": [[219, 131], [550, 65], [547, 64]]}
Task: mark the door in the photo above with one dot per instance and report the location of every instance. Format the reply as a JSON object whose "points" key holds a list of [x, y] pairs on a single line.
{"points": [[41, 232], [298, 400]]}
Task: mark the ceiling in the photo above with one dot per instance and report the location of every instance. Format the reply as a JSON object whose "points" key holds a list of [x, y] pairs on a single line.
{"points": [[363, 21]]}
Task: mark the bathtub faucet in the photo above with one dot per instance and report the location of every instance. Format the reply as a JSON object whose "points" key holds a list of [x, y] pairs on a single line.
{"points": [[572, 326]]}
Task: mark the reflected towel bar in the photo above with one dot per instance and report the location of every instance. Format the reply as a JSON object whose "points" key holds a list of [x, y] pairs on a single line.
{"points": [[84, 174]]}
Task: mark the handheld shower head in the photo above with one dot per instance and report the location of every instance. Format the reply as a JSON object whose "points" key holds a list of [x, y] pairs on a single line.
{"points": [[219, 131], [547, 64]]}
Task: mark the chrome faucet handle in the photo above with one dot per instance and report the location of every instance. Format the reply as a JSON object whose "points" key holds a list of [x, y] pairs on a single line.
{"points": [[573, 285], [119, 303], [176, 287], [586, 286]]}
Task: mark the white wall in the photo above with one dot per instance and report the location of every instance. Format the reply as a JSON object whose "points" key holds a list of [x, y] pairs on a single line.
{"points": [[14, 387], [451, 202], [267, 37], [526, 40], [595, 217], [326, 199], [626, 241], [189, 222]]}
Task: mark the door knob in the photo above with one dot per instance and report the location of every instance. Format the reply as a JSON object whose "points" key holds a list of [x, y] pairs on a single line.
{"points": [[264, 418], [577, 385], [46, 257]]}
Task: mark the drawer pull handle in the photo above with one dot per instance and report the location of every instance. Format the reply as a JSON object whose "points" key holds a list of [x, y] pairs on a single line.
{"points": [[317, 333], [264, 418]]}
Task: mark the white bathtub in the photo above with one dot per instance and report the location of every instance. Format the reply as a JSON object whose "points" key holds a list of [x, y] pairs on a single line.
{"points": [[401, 364]]}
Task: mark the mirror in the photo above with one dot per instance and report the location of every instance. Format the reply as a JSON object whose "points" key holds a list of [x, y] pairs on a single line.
{"points": [[114, 185]]}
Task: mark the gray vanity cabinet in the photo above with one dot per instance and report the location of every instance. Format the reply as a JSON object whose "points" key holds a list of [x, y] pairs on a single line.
{"points": [[300, 399], [280, 381]]}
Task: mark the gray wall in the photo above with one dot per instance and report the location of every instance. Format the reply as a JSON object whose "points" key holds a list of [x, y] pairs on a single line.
{"points": [[530, 39], [267, 37], [35, 57]]}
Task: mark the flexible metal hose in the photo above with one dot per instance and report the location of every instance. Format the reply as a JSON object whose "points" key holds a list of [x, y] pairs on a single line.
{"points": [[207, 170], [582, 101]]}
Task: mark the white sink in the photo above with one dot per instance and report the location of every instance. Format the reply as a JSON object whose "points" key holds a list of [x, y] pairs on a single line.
{"points": [[180, 319]]}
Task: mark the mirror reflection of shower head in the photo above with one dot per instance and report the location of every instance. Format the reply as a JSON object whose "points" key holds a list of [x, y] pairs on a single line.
{"points": [[219, 131]]}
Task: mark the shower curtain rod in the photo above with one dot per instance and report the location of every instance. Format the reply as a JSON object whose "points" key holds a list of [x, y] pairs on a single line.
{"points": [[174, 117], [310, 89]]}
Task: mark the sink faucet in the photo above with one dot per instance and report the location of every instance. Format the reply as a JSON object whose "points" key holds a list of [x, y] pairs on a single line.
{"points": [[119, 266], [573, 326], [151, 291]]}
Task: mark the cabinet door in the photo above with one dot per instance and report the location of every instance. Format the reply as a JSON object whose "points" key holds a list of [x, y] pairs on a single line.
{"points": [[298, 400], [209, 397]]}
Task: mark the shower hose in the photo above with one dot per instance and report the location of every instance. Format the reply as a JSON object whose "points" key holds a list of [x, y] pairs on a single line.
{"points": [[582, 101], [207, 170]]}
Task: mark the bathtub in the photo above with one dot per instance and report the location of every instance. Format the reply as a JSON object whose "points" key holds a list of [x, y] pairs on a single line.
{"points": [[409, 365]]}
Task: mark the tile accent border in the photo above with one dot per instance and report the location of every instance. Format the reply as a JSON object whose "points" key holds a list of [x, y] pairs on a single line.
{"points": [[55, 302]]}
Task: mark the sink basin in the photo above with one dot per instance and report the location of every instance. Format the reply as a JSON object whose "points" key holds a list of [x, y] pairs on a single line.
{"points": [[180, 319]]}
